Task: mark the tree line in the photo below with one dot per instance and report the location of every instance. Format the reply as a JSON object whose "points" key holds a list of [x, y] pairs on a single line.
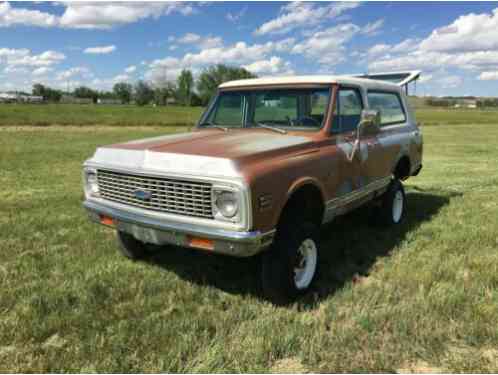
{"points": [[184, 91]]}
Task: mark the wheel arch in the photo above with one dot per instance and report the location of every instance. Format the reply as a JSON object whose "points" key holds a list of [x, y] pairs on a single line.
{"points": [[305, 194], [402, 167]]}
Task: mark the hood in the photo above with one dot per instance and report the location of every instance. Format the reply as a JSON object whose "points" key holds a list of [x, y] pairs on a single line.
{"points": [[210, 152]]}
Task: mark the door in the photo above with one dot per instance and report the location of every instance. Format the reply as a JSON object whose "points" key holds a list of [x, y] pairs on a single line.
{"points": [[384, 148], [346, 119]]}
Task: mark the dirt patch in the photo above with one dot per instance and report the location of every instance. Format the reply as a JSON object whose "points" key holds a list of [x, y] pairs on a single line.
{"points": [[54, 341], [288, 366], [491, 355], [420, 367]]}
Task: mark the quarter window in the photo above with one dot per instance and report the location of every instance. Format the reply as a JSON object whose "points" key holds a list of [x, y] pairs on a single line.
{"points": [[389, 105]]}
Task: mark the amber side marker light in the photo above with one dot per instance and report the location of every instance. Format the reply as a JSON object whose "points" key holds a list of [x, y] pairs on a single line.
{"points": [[201, 243], [106, 220]]}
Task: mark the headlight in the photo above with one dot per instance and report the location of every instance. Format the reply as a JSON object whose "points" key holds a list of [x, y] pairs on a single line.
{"points": [[90, 183], [226, 203]]}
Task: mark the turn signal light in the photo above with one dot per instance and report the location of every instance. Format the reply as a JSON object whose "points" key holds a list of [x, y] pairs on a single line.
{"points": [[201, 243], [106, 220]]}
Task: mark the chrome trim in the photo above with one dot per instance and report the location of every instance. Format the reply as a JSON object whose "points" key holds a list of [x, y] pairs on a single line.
{"points": [[246, 214], [234, 243], [335, 206], [169, 195]]}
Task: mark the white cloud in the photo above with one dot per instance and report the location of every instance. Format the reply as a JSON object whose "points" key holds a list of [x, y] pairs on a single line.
{"points": [[108, 15], [488, 76], [103, 50], [197, 40], [303, 14], [470, 32], [79, 71], [10, 16], [373, 28], [23, 57], [41, 71], [327, 46], [235, 17], [121, 78], [101, 15], [450, 82], [131, 69], [274, 66], [424, 78]]}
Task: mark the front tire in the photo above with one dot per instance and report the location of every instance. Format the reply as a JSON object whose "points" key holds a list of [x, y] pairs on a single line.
{"points": [[130, 247], [393, 204], [290, 266]]}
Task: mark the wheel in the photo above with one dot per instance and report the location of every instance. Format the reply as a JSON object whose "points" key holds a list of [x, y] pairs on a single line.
{"points": [[130, 247], [393, 204], [290, 266]]}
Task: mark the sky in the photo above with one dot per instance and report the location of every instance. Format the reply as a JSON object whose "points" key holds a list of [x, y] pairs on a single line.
{"points": [[68, 44]]}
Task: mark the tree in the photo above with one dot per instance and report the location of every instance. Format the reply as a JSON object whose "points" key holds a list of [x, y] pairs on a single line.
{"points": [[86, 93], [185, 86], [164, 91], [212, 77], [123, 92], [143, 93], [46, 92]]}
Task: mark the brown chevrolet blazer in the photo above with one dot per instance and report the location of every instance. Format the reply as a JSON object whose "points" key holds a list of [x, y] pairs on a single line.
{"points": [[268, 163]]}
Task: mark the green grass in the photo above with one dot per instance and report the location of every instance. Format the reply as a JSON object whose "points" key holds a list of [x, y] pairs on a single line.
{"points": [[109, 115], [422, 296], [434, 116], [103, 115]]}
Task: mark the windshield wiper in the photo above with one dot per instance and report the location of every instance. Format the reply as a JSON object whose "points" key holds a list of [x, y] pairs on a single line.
{"points": [[213, 125], [274, 128]]}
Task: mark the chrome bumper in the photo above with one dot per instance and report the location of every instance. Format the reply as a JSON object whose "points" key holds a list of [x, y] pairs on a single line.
{"points": [[164, 232]]}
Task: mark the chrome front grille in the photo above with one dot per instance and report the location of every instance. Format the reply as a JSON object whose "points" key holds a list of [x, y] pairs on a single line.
{"points": [[157, 193]]}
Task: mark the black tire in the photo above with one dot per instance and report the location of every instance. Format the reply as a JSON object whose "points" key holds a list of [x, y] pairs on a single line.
{"points": [[278, 281], [388, 213], [130, 247]]}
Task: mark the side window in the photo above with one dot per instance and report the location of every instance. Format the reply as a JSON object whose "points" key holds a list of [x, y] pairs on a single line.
{"points": [[229, 111], [389, 105], [347, 111]]}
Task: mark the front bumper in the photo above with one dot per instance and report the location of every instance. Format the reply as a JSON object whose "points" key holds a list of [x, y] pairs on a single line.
{"points": [[165, 232]]}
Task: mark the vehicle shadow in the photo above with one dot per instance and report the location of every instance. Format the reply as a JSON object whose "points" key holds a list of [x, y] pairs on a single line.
{"points": [[350, 246]]}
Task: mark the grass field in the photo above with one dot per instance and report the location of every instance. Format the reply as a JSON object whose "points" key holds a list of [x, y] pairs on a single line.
{"points": [[102, 115], [114, 115], [420, 297]]}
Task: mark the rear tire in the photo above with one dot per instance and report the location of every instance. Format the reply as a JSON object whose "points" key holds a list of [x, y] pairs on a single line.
{"points": [[393, 204], [290, 266], [130, 247]]}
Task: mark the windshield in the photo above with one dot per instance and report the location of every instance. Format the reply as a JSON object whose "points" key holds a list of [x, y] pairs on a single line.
{"points": [[299, 109]]}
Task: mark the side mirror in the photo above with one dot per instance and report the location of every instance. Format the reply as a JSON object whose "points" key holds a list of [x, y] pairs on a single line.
{"points": [[369, 122]]}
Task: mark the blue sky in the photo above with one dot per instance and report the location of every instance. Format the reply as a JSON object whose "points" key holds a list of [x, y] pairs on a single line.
{"points": [[66, 44]]}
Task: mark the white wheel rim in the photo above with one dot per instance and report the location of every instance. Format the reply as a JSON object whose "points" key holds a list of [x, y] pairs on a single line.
{"points": [[397, 206], [306, 267]]}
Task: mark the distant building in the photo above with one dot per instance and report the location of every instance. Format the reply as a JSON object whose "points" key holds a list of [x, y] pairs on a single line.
{"points": [[109, 101], [469, 103], [30, 99], [69, 99], [6, 97]]}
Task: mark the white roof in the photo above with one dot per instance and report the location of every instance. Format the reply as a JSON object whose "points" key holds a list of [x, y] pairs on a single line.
{"points": [[318, 79]]}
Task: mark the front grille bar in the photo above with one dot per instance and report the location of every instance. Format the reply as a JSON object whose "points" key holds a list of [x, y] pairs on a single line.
{"points": [[167, 195]]}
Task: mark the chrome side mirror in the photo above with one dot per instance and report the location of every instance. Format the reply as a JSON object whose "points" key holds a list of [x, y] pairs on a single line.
{"points": [[369, 122]]}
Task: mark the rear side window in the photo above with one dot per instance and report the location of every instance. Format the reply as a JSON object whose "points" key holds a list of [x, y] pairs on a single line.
{"points": [[389, 105]]}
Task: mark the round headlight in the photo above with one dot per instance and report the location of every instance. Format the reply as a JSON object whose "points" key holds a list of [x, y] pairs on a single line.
{"points": [[227, 203]]}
